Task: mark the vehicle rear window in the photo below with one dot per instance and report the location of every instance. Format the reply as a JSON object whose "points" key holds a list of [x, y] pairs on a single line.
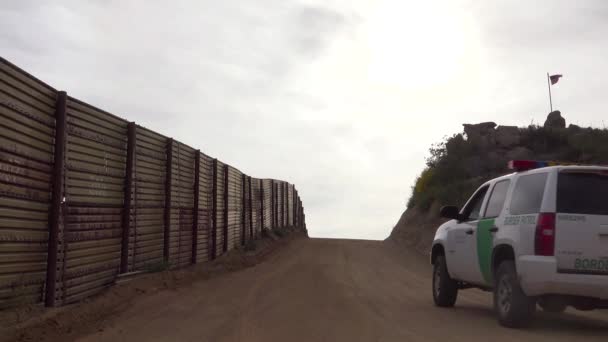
{"points": [[582, 192], [528, 194]]}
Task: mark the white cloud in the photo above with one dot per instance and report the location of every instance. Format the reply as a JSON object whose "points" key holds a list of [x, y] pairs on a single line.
{"points": [[342, 98]]}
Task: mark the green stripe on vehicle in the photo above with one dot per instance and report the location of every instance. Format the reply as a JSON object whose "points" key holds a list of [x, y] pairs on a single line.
{"points": [[485, 243]]}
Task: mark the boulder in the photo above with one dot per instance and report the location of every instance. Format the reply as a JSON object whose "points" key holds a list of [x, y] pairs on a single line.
{"points": [[555, 120], [507, 136], [481, 134], [480, 129]]}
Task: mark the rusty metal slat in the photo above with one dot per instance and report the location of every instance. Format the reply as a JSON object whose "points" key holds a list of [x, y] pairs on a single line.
{"points": [[77, 177], [143, 131], [29, 224], [25, 162], [26, 109], [214, 211], [92, 244], [99, 161], [24, 77], [23, 181], [23, 96], [149, 162], [225, 226], [95, 137], [243, 210], [99, 147], [85, 124], [128, 190], [20, 235], [261, 185], [168, 193], [56, 197], [249, 206], [41, 95], [195, 222], [26, 172], [155, 143], [85, 108], [102, 155], [83, 166], [151, 148], [93, 184], [26, 140], [25, 119]]}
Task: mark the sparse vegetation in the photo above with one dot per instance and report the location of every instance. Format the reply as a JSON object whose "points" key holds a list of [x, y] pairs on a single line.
{"points": [[250, 246], [278, 232], [157, 267], [458, 165]]}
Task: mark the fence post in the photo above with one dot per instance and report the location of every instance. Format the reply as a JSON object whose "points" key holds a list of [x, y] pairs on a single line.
{"points": [[225, 230], [56, 198], [195, 218], [128, 189], [261, 204], [214, 212], [251, 231], [286, 204], [243, 208], [168, 186]]}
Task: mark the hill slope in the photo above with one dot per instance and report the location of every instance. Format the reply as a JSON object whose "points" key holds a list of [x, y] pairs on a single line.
{"points": [[462, 162]]}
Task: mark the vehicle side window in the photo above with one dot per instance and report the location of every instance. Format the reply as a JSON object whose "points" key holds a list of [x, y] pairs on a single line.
{"points": [[528, 194], [472, 211], [497, 198]]}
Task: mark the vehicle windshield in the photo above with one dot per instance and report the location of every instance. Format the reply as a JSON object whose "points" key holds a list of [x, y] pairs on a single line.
{"points": [[582, 192]]}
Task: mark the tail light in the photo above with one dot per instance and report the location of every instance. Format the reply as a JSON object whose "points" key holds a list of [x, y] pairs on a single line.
{"points": [[544, 242]]}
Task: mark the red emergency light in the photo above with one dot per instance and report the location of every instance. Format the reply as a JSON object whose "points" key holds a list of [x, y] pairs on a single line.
{"points": [[523, 165]]}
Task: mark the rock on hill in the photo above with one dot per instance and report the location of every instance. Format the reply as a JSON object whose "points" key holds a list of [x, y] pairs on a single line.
{"points": [[462, 162]]}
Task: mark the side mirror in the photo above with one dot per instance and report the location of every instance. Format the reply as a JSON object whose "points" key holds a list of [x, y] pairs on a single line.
{"points": [[451, 212]]}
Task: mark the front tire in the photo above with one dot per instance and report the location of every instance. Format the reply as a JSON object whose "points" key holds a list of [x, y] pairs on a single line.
{"points": [[445, 289], [513, 307]]}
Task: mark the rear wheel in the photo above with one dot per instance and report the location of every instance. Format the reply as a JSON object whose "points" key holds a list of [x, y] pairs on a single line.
{"points": [[445, 289], [513, 307]]}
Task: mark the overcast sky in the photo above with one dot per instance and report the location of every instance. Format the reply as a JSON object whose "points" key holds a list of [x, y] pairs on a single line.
{"points": [[341, 98]]}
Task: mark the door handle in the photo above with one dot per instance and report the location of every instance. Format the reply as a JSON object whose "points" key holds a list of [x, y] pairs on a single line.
{"points": [[469, 232], [493, 229]]}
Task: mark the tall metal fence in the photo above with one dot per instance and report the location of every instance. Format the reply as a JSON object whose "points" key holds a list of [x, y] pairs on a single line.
{"points": [[86, 196]]}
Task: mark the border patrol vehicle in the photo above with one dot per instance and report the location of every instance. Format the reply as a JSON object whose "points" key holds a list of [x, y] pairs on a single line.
{"points": [[538, 236]]}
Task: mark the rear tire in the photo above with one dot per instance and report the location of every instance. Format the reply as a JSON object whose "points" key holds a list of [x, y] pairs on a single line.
{"points": [[445, 289], [513, 307]]}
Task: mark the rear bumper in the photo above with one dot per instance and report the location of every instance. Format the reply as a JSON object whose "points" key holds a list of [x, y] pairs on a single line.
{"points": [[538, 276]]}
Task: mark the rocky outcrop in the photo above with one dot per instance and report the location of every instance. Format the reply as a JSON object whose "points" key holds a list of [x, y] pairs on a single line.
{"points": [[507, 136], [481, 133], [555, 120]]}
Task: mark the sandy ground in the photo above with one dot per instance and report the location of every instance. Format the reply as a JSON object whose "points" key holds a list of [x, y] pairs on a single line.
{"points": [[329, 290]]}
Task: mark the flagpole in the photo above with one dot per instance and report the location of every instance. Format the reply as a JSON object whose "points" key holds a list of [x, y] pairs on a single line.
{"points": [[549, 85]]}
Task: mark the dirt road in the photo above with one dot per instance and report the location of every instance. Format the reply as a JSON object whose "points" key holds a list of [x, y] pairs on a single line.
{"points": [[330, 290]]}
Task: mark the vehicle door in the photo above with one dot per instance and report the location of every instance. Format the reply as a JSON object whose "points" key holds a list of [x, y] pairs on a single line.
{"points": [[462, 243], [581, 237], [488, 227]]}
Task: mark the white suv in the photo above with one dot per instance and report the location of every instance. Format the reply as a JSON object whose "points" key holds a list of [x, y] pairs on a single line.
{"points": [[539, 235]]}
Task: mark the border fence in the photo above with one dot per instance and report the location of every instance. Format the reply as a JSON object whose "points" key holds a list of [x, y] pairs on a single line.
{"points": [[86, 196]]}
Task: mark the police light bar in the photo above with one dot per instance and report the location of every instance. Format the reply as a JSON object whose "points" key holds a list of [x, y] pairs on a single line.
{"points": [[523, 165]]}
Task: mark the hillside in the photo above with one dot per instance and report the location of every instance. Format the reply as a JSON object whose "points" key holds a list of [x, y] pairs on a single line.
{"points": [[462, 162]]}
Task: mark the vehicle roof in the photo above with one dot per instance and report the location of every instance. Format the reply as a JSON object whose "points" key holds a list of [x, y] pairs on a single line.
{"points": [[547, 169]]}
